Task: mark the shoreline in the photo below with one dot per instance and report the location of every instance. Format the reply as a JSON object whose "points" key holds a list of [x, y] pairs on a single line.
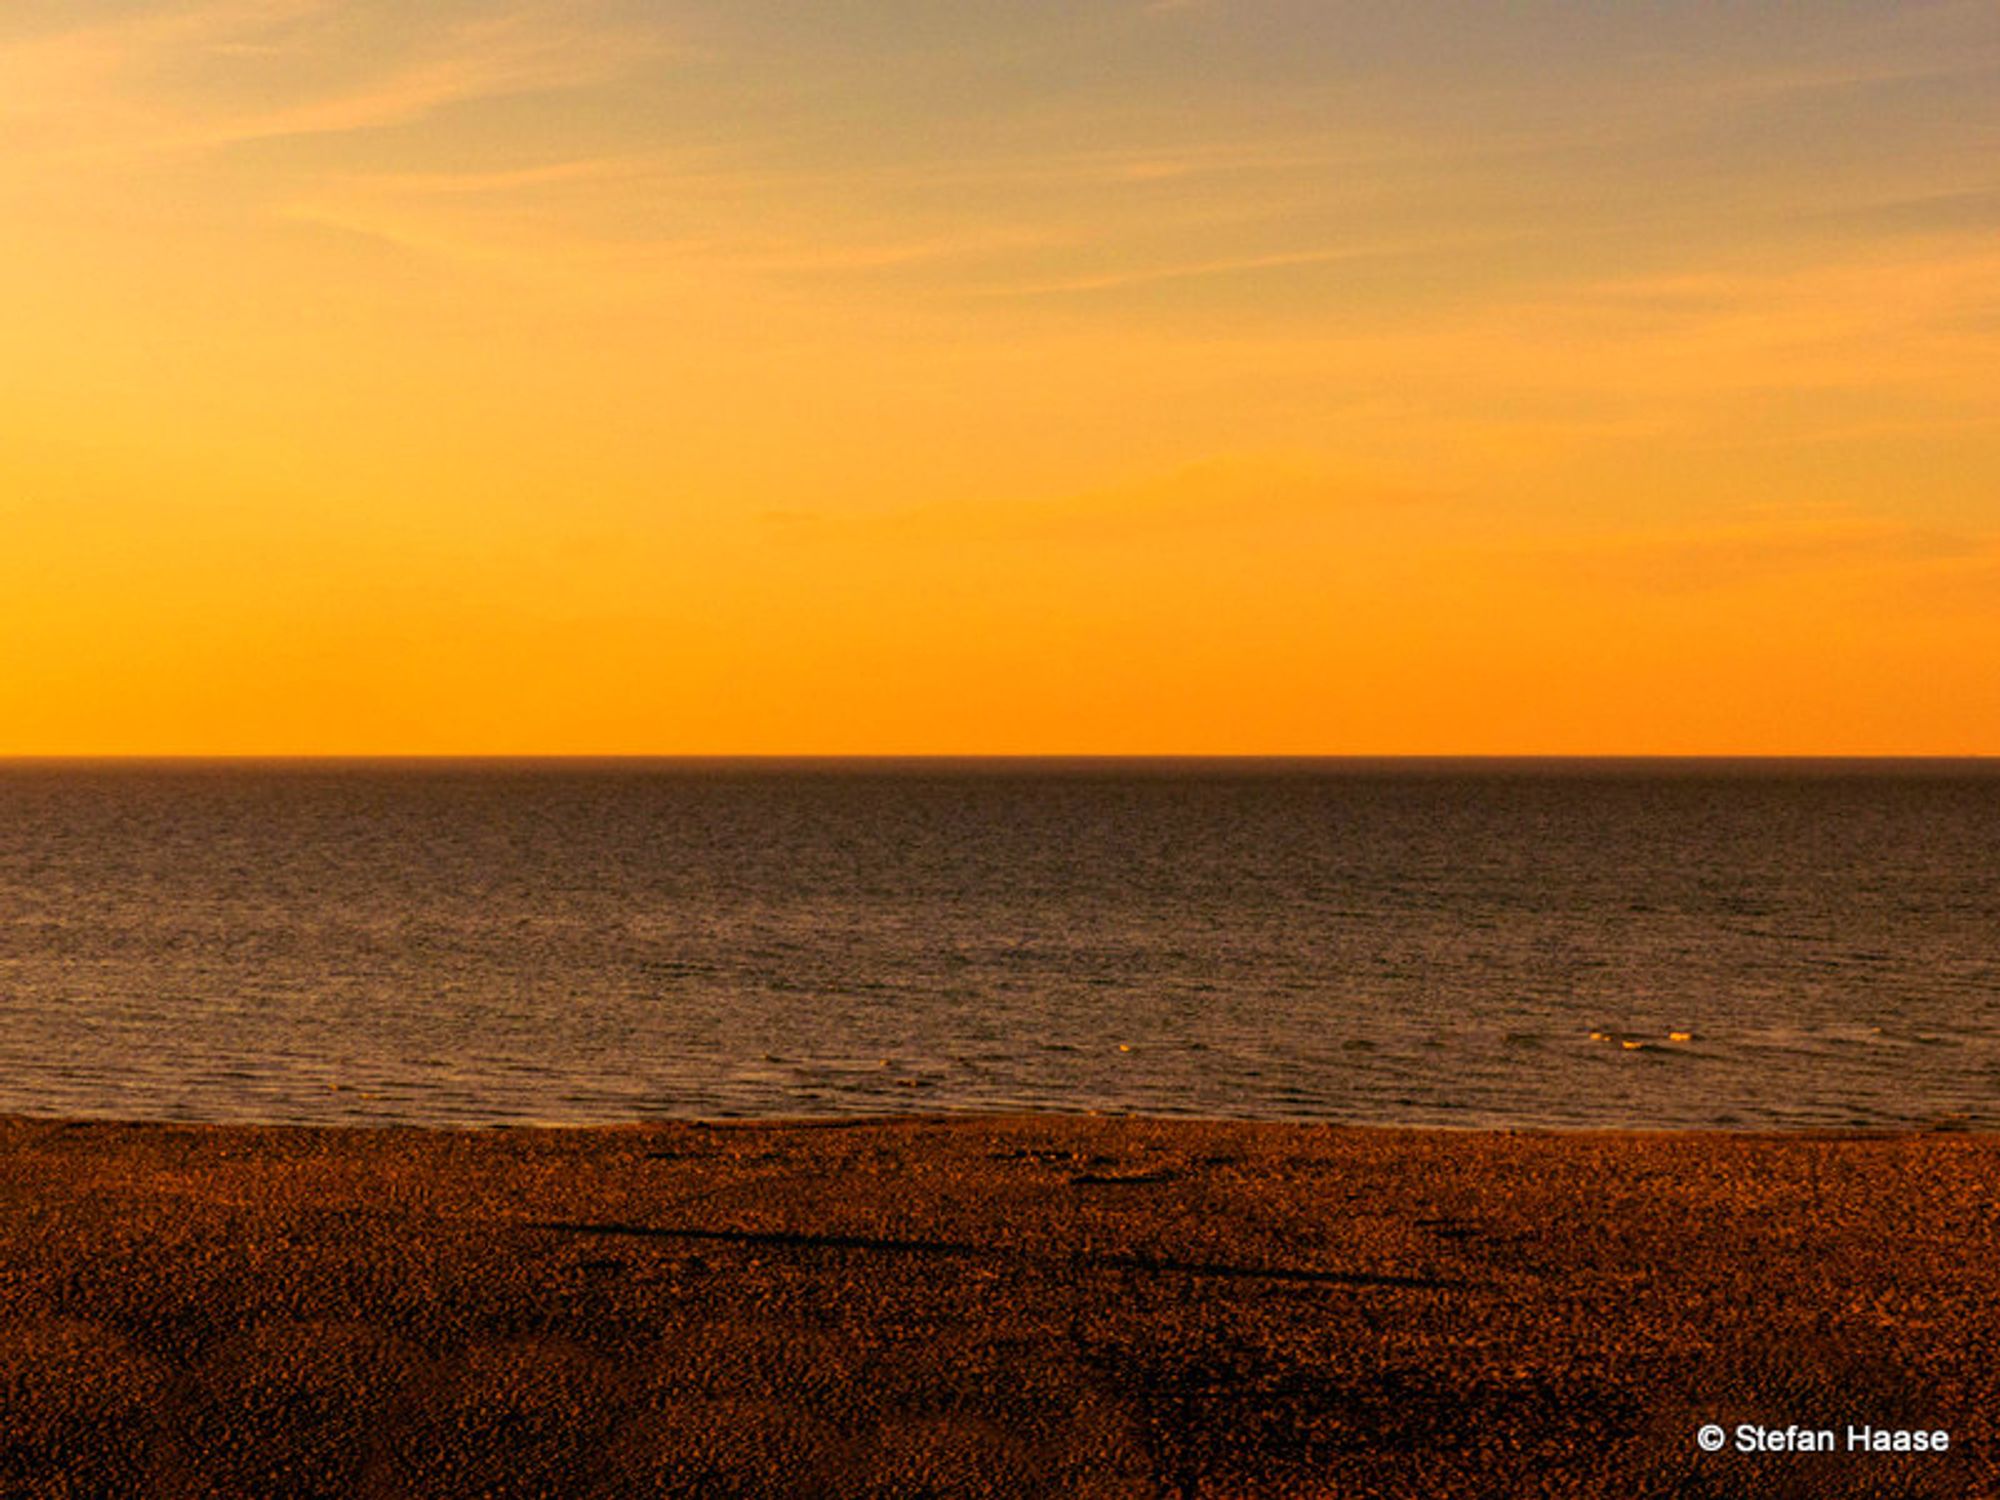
{"points": [[988, 1304], [1946, 1127]]}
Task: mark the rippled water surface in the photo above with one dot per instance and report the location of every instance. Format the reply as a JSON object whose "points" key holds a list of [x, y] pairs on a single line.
{"points": [[1566, 944]]}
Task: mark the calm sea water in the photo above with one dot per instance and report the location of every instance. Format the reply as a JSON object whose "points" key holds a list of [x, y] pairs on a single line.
{"points": [[1498, 943]]}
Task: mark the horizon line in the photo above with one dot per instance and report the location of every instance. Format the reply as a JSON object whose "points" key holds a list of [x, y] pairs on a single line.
{"points": [[506, 757]]}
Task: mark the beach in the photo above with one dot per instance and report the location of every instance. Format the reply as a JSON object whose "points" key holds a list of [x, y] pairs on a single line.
{"points": [[983, 1305]]}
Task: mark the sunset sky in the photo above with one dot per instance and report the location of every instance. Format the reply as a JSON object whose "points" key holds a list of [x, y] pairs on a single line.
{"points": [[1192, 376]]}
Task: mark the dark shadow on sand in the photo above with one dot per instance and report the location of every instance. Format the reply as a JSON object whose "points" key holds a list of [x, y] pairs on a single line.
{"points": [[795, 1240]]}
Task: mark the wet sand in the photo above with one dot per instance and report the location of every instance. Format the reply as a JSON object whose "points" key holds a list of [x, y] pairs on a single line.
{"points": [[987, 1306]]}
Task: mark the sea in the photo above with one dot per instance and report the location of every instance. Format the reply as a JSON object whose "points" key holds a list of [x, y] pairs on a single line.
{"points": [[1515, 944]]}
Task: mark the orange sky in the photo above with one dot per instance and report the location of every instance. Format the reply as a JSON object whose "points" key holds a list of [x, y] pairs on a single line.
{"points": [[1189, 376]]}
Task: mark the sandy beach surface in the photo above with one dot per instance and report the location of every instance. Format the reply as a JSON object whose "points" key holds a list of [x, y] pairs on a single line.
{"points": [[1006, 1306]]}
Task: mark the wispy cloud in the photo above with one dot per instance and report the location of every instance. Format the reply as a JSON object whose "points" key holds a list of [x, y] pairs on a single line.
{"points": [[1231, 497], [1222, 266], [562, 249], [1909, 316], [403, 95], [108, 89], [1720, 559], [506, 180], [1181, 271]]}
